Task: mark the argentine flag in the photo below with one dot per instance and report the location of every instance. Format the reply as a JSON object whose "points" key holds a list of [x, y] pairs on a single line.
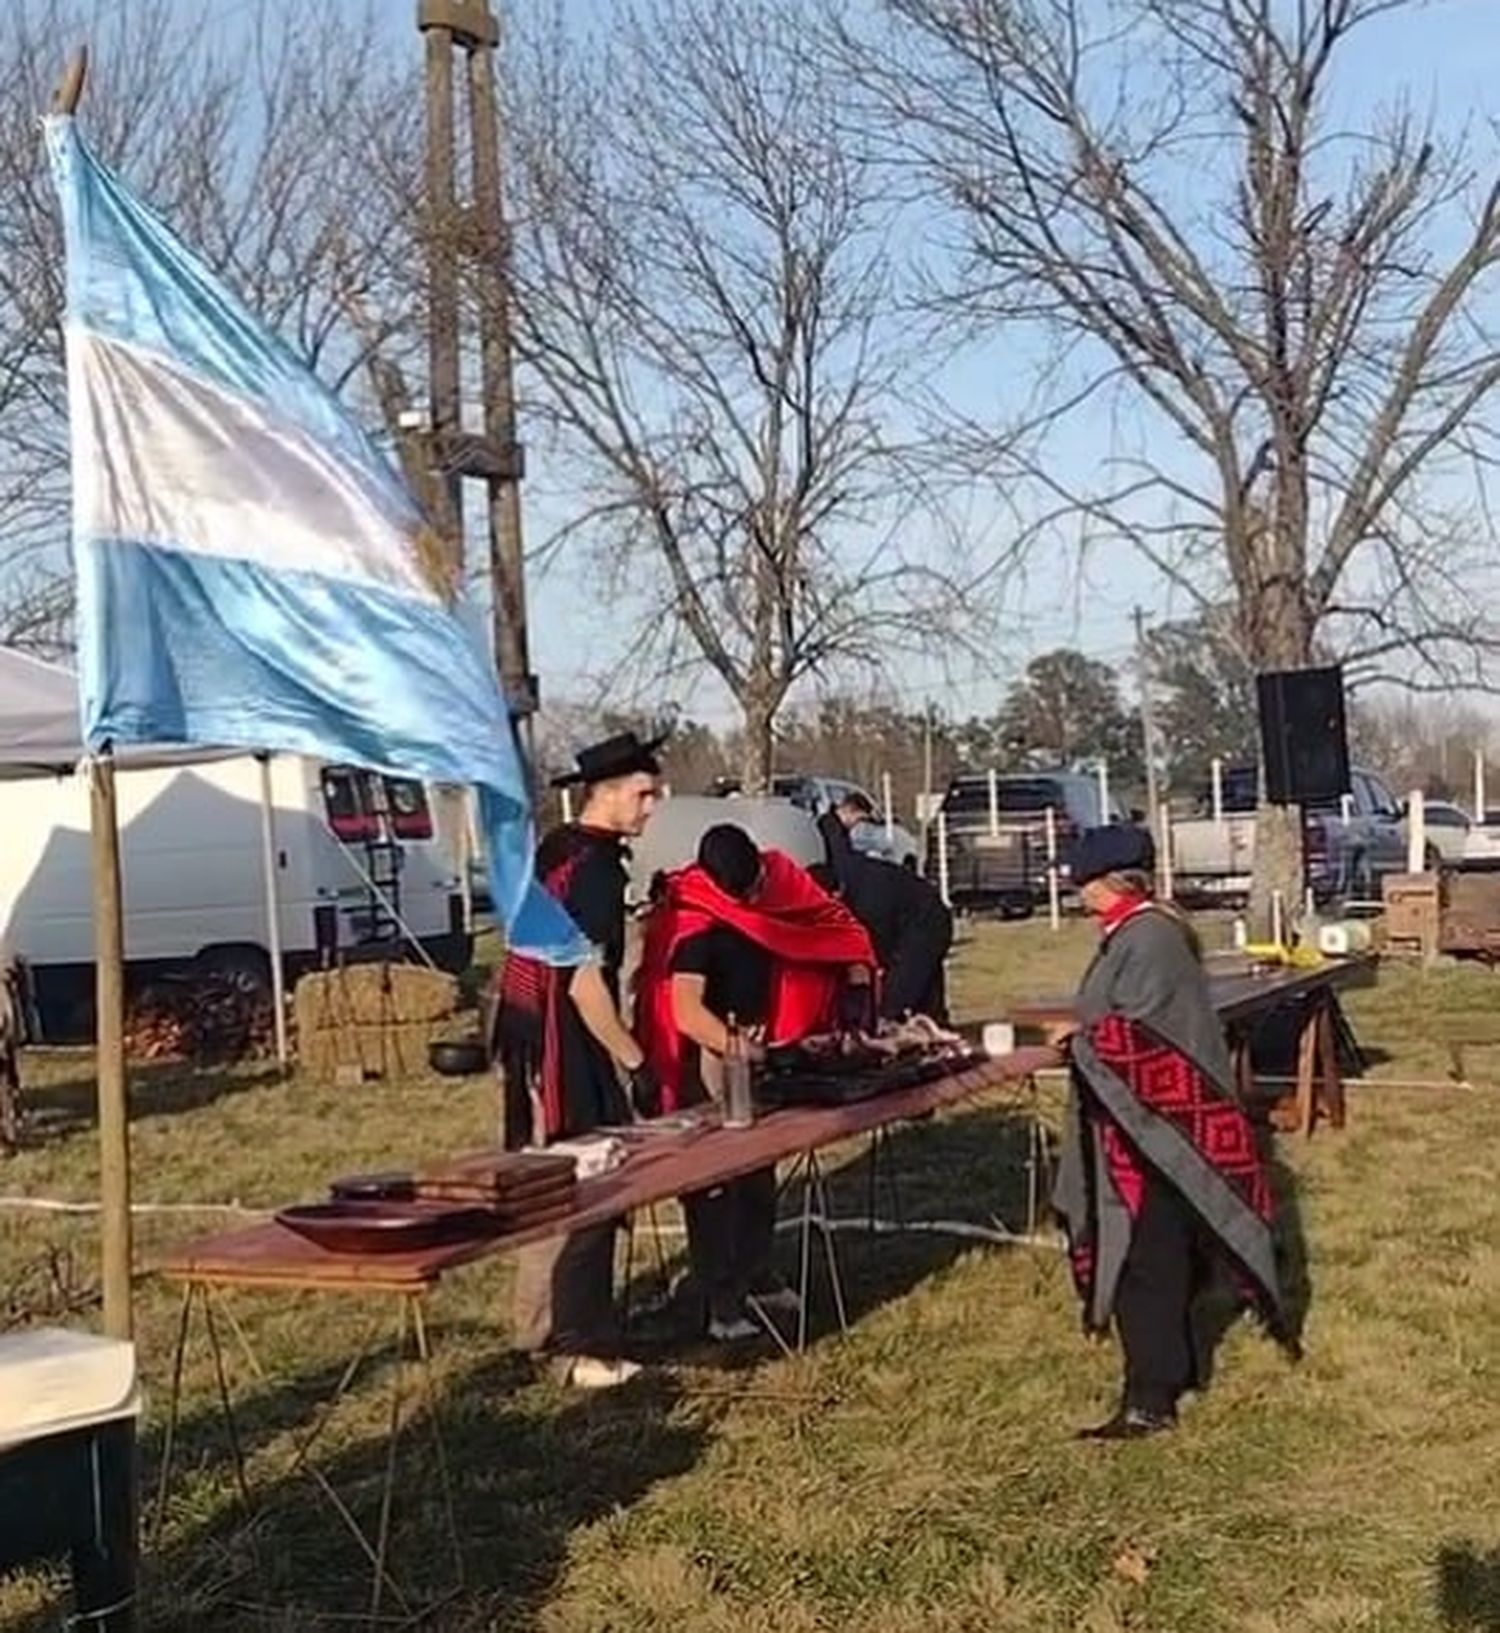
{"points": [[251, 573]]}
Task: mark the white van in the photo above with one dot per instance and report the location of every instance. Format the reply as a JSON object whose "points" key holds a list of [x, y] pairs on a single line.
{"points": [[361, 871]]}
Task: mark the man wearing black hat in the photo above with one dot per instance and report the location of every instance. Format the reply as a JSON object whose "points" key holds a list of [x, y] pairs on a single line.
{"points": [[1160, 1174], [562, 1048], [908, 921]]}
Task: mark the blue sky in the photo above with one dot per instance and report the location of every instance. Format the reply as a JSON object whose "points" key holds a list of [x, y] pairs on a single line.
{"points": [[1445, 56]]}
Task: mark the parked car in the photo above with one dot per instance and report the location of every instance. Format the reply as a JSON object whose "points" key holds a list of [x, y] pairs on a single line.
{"points": [[1482, 842], [882, 836], [1351, 844], [993, 854], [1447, 829]]}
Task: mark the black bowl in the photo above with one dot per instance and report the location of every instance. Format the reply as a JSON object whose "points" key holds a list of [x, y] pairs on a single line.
{"points": [[464, 1057]]}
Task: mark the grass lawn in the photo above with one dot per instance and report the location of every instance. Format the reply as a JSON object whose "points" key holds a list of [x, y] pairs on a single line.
{"points": [[919, 1475]]}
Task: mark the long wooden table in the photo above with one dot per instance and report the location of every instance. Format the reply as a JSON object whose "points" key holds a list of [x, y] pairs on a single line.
{"points": [[666, 1164], [1245, 998]]}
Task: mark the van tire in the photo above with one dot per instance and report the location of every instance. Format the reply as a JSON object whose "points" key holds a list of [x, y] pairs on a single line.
{"points": [[246, 968]]}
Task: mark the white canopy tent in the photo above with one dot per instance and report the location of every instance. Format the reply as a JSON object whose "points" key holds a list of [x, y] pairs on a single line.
{"points": [[40, 737]]}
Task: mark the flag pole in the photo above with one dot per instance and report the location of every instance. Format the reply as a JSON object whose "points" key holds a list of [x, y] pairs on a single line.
{"points": [[109, 1010], [109, 966]]}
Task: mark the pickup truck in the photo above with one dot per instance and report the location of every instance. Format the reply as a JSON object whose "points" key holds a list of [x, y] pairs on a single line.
{"points": [[1351, 844], [996, 857]]}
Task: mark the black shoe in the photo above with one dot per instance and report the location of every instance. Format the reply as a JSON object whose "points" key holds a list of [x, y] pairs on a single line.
{"points": [[1131, 1423]]}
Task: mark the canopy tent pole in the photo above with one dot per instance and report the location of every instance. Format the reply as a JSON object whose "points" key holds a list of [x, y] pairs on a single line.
{"points": [[109, 1009], [273, 906]]}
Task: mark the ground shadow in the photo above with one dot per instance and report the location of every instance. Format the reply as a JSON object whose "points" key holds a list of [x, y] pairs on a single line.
{"points": [[924, 1185], [528, 1467], [1468, 1588], [55, 1110], [524, 1469]]}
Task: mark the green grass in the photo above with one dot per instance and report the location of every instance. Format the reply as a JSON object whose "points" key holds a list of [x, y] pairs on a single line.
{"points": [[918, 1475]]}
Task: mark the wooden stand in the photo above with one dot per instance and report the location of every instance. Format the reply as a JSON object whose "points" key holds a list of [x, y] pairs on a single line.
{"points": [[1318, 1090]]}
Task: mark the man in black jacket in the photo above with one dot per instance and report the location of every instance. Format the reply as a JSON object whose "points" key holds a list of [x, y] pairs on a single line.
{"points": [[907, 919]]}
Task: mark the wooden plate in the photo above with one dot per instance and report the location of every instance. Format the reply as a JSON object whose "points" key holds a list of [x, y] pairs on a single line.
{"points": [[383, 1227]]}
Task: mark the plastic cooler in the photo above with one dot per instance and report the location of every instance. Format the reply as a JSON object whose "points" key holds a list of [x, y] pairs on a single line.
{"points": [[68, 1408]]}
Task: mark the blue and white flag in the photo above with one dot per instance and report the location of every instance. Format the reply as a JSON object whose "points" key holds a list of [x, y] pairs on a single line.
{"points": [[251, 573]]}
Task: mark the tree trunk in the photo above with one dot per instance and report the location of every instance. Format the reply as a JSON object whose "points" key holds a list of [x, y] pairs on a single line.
{"points": [[757, 761], [1278, 629]]}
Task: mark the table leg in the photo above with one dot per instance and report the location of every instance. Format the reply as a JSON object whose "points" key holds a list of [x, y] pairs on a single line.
{"points": [[804, 1287], [418, 1347], [430, 1405], [231, 1425], [1331, 1080], [830, 1249], [393, 1438], [174, 1413], [881, 1162], [1307, 1057]]}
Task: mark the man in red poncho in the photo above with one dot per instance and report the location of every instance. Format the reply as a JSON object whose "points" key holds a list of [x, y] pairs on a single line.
{"points": [[751, 937]]}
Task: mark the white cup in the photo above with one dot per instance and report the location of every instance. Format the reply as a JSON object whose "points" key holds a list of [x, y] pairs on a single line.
{"points": [[998, 1038]]}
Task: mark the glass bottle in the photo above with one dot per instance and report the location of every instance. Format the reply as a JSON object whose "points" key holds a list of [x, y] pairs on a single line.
{"points": [[739, 1107]]}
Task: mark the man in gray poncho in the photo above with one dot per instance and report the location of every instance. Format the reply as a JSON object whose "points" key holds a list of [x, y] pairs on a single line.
{"points": [[1160, 1171]]}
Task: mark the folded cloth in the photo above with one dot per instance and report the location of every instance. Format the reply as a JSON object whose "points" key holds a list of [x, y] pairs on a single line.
{"points": [[592, 1154]]}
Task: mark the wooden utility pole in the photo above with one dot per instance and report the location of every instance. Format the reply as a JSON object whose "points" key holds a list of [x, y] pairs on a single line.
{"points": [[475, 231], [1150, 742]]}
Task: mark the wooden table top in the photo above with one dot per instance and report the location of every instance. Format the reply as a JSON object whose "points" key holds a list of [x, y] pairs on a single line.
{"points": [[269, 1255], [1238, 996]]}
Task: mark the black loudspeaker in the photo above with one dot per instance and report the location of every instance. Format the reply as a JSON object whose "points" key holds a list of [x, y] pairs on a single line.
{"points": [[1304, 736]]}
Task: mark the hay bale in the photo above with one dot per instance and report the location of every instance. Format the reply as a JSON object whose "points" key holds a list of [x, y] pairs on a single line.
{"points": [[378, 1019], [375, 995]]}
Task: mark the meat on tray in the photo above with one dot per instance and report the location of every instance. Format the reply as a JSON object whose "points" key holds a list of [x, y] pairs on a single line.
{"points": [[917, 1037]]}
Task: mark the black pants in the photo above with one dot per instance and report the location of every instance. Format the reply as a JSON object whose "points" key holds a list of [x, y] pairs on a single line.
{"points": [[1164, 1268], [731, 1231]]}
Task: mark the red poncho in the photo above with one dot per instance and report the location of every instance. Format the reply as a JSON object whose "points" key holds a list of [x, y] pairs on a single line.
{"points": [[812, 938]]}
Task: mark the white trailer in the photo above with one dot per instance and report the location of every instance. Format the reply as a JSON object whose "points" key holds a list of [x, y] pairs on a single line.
{"points": [[358, 869]]}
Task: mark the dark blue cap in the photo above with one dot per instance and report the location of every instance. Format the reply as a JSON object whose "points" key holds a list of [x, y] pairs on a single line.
{"points": [[1120, 848]]}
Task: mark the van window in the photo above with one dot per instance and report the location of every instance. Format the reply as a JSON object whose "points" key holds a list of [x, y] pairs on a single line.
{"points": [[406, 800], [346, 805]]}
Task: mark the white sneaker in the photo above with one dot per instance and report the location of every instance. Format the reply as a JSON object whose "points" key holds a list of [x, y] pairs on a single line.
{"points": [[779, 1300], [593, 1372], [733, 1332]]}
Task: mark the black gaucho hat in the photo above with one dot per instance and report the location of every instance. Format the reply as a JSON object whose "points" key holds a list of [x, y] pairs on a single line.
{"points": [[1120, 848], [623, 755]]}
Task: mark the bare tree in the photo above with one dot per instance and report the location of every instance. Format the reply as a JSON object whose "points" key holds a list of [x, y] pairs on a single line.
{"points": [[248, 138], [704, 291], [1288, 307]]}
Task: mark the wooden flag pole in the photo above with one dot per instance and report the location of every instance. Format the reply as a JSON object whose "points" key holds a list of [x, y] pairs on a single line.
{"points": [[109, 1008], [109, 968]]}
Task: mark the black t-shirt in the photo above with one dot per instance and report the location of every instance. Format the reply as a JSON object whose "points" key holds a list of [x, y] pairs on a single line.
{"points": [[736, 972]]}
